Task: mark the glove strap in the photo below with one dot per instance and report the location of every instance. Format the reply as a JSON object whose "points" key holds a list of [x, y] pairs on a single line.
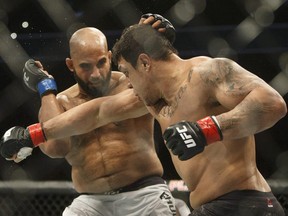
{"points": [[210, 129], [37, 134], [46, 85]]}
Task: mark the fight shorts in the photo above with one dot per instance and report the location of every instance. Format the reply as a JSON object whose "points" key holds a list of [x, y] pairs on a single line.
{"points": [[242, 203], [148, 196]]}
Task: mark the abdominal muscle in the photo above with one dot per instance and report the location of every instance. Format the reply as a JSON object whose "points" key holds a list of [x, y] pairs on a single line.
{"points": [[109, 158], [220, 170]]}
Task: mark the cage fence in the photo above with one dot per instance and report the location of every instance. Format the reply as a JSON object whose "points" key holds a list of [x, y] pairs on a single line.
{"points": [[49, 198]]}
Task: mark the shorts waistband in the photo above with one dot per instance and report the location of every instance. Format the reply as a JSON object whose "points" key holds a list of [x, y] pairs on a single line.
{"points": [[141, 183], [248, 194]]}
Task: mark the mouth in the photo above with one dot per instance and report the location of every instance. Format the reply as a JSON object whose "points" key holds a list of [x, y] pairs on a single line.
{"points": [[95, 84]]}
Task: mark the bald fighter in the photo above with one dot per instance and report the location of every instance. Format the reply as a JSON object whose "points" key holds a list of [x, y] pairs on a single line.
{"points": [[114, 164], [209, 110]]}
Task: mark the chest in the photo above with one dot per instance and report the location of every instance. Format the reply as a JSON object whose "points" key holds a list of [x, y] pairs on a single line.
{"points": [[191, 104]]}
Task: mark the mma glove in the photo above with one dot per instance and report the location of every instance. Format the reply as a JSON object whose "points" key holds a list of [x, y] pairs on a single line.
{"points": [[37, 80], [187, 139], [170, 32], [21, 141]]}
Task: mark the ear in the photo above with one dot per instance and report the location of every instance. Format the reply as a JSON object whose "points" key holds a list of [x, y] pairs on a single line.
{"points": [[144, 61], [69, 64], [109, 55]]}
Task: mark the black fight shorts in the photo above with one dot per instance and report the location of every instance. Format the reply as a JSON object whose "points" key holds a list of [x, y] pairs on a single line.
{"points": [[242, 203]]}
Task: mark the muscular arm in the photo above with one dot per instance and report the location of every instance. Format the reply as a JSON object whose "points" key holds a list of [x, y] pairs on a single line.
{"points": [[50, 107], [254, 105], [94, 114]]}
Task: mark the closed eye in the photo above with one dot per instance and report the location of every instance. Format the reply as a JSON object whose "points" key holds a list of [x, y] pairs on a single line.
{"points": [[101, 62], [86, 66], [123, 70]]}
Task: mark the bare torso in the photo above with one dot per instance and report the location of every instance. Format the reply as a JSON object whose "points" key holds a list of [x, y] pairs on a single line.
{"points": [[223, 166], [114, 155]]}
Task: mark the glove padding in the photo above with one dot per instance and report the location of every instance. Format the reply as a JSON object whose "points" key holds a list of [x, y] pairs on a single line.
{"points": [[16, 140], [170, 32], [37, 80], [187, 139]]}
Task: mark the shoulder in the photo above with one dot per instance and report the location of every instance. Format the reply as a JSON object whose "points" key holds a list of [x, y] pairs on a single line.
{"points": [[214, 69], [64, 96], [118, 76], [208, 61]]}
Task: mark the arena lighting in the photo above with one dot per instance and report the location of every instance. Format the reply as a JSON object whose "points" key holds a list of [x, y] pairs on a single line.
{"points": [[13, 35], [184, 11], [11, 51], [14, 56], [260, 17], [121, 9], [60, 12], [218, 47], [25, 24], [280, 83]]}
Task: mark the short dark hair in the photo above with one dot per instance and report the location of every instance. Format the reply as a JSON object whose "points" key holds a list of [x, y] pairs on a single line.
{"points": [[141, 38]]}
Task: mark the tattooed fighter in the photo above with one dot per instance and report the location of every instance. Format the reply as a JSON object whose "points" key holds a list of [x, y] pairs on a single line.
{"points": [[209, 110]]}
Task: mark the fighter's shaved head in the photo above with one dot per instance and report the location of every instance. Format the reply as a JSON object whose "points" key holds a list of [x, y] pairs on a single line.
{"points": [[87, 37]]}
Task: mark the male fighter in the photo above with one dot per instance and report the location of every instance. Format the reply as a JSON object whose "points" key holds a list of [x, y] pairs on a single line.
{"points": [[114, 164], [209, 110]]}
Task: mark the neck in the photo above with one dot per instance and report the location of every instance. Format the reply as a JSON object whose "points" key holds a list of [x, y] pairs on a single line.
{"points": [[171, 76]]}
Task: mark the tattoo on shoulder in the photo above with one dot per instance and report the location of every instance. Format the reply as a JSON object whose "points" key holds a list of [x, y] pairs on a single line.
{"points": [[216, 72], [222, 72]]}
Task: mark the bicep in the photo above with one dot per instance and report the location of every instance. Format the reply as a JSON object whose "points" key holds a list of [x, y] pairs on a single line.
{"points": [[248, 99], [235, 83], [122, 106]]}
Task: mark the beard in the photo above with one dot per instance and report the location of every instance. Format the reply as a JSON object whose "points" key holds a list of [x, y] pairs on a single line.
{"points": [[92, 91]]}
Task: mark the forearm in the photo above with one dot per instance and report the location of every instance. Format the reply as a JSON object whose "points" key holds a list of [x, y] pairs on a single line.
{"points": [[260, 110], [50, 108], [94, 114]]}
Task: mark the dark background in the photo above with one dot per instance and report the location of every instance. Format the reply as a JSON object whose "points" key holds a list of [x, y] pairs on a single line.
{"points": [[253, 33]]}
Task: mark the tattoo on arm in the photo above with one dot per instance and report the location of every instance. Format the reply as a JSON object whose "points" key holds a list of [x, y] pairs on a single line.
{"points": [[248, 110]]}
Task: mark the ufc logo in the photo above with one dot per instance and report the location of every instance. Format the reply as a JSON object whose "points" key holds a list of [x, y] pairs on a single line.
{"points": [[188, 140]]}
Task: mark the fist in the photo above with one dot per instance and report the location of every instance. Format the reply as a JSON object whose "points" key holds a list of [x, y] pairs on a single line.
{"points": [[184, 139], [16, 142], [160, 23], [38, 80]]}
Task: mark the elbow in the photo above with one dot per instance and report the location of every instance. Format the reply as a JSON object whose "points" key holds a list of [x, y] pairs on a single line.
{"points": [[54, 149], [281, 107]]}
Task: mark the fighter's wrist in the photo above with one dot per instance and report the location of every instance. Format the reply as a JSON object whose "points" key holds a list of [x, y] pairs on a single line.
{"points": [[47, 85], [37, 134], [210, 129]]}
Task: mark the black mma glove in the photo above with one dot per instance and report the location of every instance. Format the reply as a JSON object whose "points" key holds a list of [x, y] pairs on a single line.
{"points": [[21, 141], [36, 80], [187, 139], [170, 32]]}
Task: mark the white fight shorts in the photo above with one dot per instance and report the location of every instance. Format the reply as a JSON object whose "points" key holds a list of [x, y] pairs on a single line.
{"points": [[146, 197]]}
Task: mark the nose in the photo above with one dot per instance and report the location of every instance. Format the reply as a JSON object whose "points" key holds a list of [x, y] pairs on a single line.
{"points": [[95, 74]]}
